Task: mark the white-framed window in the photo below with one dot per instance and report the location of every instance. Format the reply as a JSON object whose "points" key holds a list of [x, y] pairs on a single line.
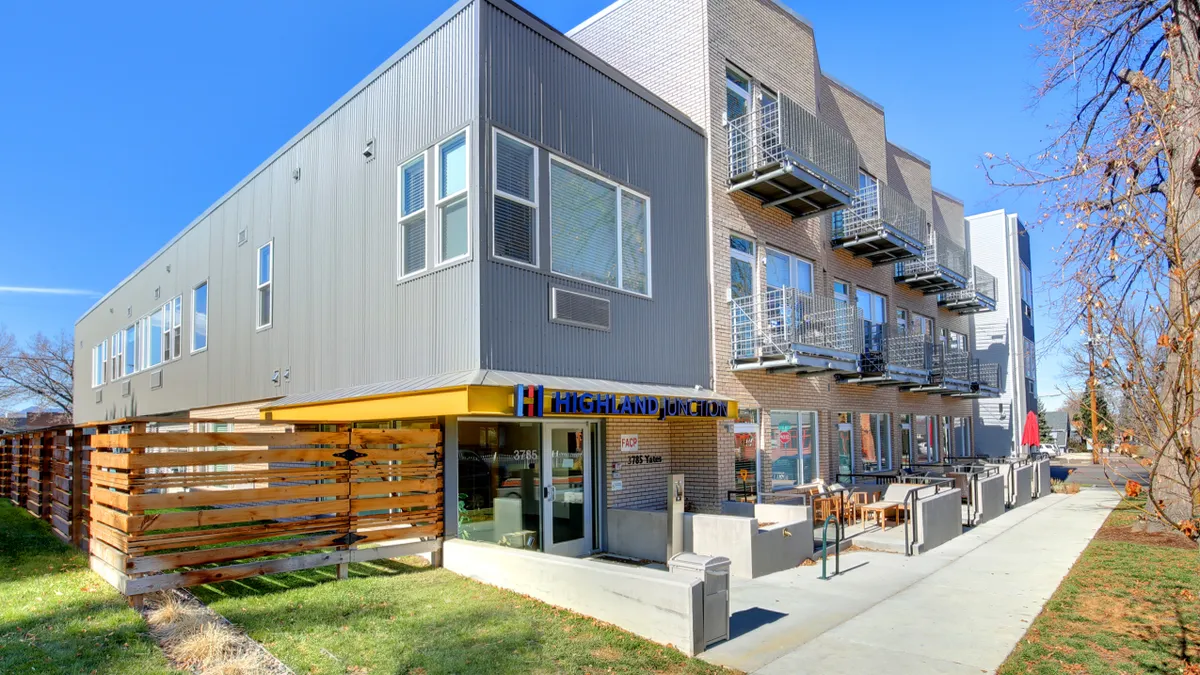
{"points": [[841, 293], [741, 267], [200, 317], [924, 439], [515, 199], [794, 458], [410, 210], [956, 342], [116, 349], [599, 229], [264, 277], [453, 214], [902, 319], [872, 304], [99, 363], [922, 324], [131, 350], [875, 441], [785, 270], [737, 93], [172, 322]]}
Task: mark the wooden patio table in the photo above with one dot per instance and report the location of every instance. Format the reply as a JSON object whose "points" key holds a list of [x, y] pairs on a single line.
{"points": [[880, 511]]}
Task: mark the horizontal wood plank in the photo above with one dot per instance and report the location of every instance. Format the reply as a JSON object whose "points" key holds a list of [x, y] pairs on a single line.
{"points": [[185, 439]]}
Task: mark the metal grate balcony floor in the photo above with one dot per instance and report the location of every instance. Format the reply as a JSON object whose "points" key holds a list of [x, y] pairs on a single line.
{"points": [[979, 391], [792, 185], [967, 303], [939, 280], [881, 245], [801, 360], [876, 372]]}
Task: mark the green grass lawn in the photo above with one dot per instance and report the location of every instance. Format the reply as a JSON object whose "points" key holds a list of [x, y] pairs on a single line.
{"points": [[399, 616], [1129, 605], [56, 616]]}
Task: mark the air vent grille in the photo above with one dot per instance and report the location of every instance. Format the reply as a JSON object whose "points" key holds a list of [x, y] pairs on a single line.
{"points": [[156, 379], [578, 309], [125, 388]]}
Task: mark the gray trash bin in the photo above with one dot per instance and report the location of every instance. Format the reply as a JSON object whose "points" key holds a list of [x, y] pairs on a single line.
{"points": [[713, 572]]}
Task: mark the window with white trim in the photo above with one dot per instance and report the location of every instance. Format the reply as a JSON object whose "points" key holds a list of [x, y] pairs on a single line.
{"points": [[1026, 285], [875, 441], [1030, 360], [737, 94], [172, 323], [599, 230], [200, 317], [410, 190], [266, 272], [98, 364], [451, 204], [154, 338], [788, 271], [514, 207], [116, 349], [922, 324]]}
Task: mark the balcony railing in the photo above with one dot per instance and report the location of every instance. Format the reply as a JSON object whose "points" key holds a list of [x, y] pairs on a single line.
{"points": [[789, 159], [789, 330], [941, 268], [881, 225], [978, 296], [985, 380], [893, 355]]}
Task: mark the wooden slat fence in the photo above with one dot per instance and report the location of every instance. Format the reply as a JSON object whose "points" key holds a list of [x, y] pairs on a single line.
{"points": [[44, 472], [176, 509]]}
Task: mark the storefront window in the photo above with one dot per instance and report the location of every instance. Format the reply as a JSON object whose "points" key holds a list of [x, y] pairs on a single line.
{"points": [[924, 439], [906, 446], [499, 479], [745, 459], [794, 460], [844, 441], [944, 441], [962, 436], [875, 441]]}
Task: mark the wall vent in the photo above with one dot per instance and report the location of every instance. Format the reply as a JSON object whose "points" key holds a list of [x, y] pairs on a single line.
{"points": [[242, 237], [578, 309], [99, 396], [156, 380], [125, 388]]}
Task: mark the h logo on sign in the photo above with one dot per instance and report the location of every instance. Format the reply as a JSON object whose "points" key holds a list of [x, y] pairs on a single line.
{"points": [[528, 400]]}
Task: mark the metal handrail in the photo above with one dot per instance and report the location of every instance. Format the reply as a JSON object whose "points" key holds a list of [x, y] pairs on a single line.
{"points": [[770, 322], [838, 531], [876, 206], [939, 252], [951, 363], [885, 344], [770, 133]]}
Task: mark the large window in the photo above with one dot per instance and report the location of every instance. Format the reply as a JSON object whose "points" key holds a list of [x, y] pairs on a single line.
{"points": [[922, 324], [452, 212], [98, 364], [961, 436], [874, 313], [500, 483], [410, 190], [794, 460], [131, 351], [875, 441], [599, 230], [741, 285], [924, 439], [266, 273], [745, 458], [843, 440], [200, 317], [906, 438], [514, 210], [153, 330]]}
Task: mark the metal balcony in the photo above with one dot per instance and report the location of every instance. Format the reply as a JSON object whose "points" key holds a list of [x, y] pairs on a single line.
{"points": [[978, 296], [892, 356], [881, 226], [941, 268], [985, 381], [950, 373], [788, 159], [786, 330]]}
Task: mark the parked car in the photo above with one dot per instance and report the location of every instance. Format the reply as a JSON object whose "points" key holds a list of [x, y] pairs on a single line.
{"points": [[1050, 449]]}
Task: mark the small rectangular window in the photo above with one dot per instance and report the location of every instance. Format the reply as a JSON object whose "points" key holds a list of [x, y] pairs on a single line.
{"points": [[200, 317], [98, 364], [154, 342], [452, 212], [177, 329], [514, 209], [411, 233], [266, 270], [737, 94]]}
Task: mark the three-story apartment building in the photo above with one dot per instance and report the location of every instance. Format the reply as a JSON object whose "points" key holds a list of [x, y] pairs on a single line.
{"points": [[842, 280]]}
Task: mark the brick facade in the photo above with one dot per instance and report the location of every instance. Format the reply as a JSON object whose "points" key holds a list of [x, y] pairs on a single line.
{"points": [[778, 51]]}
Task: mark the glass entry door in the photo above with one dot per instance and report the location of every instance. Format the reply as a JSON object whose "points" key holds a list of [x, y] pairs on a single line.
{"points": [[566, 489]]}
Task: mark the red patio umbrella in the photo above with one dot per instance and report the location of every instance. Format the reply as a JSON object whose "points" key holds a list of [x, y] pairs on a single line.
{"points": [[1030, 436]]}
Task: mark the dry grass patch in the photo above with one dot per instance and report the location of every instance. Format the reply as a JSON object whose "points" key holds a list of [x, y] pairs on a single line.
{"points": [[197, 639]]}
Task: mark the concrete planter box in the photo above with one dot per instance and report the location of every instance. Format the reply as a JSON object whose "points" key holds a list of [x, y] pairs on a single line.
{"points": [[755, 550], [938, 519], [1018, 484], [655, 604], [989, 498], [1041, 478]]}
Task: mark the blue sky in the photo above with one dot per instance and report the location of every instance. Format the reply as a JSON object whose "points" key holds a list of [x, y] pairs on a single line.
{"points": [[121, 122]]}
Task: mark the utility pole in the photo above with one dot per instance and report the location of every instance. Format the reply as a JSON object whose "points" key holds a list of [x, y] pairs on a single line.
{"points": [[1092, 381]]}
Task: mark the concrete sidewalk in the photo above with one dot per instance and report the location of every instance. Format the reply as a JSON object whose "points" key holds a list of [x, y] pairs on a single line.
{"points": [[958, 609]]}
